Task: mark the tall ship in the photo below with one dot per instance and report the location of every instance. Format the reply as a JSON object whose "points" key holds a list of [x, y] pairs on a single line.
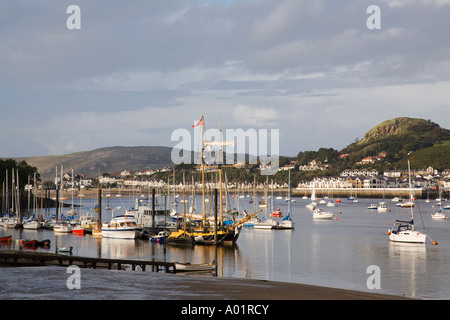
{"points": [[212, 228]]}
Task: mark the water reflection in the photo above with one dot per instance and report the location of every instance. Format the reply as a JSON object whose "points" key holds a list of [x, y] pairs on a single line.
{"points": [[408, 263]]}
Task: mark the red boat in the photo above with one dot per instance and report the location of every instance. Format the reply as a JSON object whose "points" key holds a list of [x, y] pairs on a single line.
{"points": [[6, 239], [79, 231], [35, 243], [28, 243], [277, 213]]}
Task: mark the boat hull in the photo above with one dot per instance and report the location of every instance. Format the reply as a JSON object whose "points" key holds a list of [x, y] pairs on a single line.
{"points": [[323, 217], [119, 233], [264, 226], [33, 225], [6, 239], [408, 237], [186, 267], [62, 229], [78, 231]]}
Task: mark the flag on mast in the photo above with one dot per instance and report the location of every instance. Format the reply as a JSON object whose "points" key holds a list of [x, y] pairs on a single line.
{"points": [[200, 123]]}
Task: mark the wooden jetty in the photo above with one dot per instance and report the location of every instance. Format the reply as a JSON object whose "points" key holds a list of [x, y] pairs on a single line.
{"points": [[26, 258]]}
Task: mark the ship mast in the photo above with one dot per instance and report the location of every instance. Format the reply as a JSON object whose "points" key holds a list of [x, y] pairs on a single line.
{"points": [[203, 172]]}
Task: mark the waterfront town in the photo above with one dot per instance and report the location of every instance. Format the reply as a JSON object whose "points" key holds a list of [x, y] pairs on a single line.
{"points": [[425, 180]]}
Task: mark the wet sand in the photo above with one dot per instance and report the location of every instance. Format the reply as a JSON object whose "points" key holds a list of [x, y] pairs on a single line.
{"points": [[101, 284], [247, 289]]}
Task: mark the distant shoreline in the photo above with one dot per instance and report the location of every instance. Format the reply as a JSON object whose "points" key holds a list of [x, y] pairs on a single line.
{"points": [[380, 193]]}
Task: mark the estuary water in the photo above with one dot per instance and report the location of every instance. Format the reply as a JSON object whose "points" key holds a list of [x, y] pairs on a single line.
{"points": [[334, 253]]}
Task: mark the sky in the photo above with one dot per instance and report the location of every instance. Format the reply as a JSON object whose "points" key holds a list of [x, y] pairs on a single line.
{"points": [[138, 70]]}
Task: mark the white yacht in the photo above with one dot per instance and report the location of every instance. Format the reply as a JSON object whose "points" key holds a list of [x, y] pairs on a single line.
{"points": [[382, 207], [320, 214], [404, 231], [120, 227]]}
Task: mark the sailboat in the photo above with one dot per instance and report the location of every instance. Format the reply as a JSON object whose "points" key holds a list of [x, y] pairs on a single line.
{"points": [[287, 222], [265, 222], [207, 233], [438, 214], [72, 211], [404, 231], [313, 204]]}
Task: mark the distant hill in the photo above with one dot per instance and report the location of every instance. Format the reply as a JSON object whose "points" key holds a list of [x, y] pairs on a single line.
{"points": [[108, 160], [429, 143]]}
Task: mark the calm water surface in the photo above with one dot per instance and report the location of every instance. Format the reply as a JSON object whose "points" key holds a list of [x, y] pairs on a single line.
{"points": [[332, 253]]}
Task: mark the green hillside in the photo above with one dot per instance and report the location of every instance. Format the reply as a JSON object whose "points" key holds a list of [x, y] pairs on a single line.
{"points": [[107, 160], [428, 142], [437, 156]]}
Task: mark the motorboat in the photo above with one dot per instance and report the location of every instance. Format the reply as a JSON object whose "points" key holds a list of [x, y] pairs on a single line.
{"points": [[382, 207], [78, 230], [407, 204], [372, 206], [331, 203], [62, 228], [160, 237], [320, 214], [120, 227]]}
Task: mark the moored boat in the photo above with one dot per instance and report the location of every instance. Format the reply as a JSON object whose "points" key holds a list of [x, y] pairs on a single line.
{"points": [[184, 267], [78, 230], [277, 213], [6, 239], [160, 237], [32, 225], [120, 227], [322, 215], [404, 231], [64, 249], [62, 228], [382, 207]]}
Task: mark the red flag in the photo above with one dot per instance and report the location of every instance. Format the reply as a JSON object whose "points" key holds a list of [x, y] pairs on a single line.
{"points": [[200, 123]]}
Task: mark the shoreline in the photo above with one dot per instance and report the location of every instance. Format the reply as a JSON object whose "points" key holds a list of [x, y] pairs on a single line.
{"points": [[365, 193], [252, 289], [185, 287]]}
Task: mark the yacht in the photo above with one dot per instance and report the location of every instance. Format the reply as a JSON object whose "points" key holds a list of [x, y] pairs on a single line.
{"points": [[404, 231], [382, 207], [320, 214], [120, 227]]}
